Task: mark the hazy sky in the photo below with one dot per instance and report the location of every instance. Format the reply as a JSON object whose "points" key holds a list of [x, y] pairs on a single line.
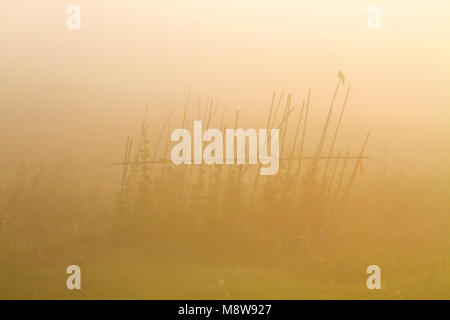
{"points": [[79, 93]]}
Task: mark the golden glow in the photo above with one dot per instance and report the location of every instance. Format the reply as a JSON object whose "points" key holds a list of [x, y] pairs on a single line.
{"points": [[72, 98]]}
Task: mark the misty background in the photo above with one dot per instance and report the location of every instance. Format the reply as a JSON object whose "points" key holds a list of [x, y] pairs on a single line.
{"points": [[77, 94]]}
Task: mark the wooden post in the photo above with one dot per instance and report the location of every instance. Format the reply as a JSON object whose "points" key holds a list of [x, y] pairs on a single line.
{"points": [[302, 144], [255, 184], [327, 122], [351, 181], [126, 160], [299, 123], [341, 114]]}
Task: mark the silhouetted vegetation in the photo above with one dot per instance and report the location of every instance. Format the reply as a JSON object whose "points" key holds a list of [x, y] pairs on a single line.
{"points": [[303, 217]]}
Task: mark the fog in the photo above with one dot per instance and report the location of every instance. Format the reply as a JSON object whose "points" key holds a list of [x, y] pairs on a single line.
{"points": [[79, 93], [73, 102]]}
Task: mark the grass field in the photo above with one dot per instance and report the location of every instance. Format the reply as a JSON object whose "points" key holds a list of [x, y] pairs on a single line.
{"points": [[137, 274], [160, 231]]}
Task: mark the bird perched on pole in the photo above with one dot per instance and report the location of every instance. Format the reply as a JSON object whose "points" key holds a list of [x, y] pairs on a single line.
{"points": [[341, 76]]}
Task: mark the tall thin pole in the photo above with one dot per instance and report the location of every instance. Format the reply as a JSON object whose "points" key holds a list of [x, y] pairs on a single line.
{"points": [[299, 123], [352, 180], [255, 184], [126, 160], [302, 144], [341, 114], [327, 122]]}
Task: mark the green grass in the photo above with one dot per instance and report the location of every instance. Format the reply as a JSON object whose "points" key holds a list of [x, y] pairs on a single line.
{"points": [[126, 274]]}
